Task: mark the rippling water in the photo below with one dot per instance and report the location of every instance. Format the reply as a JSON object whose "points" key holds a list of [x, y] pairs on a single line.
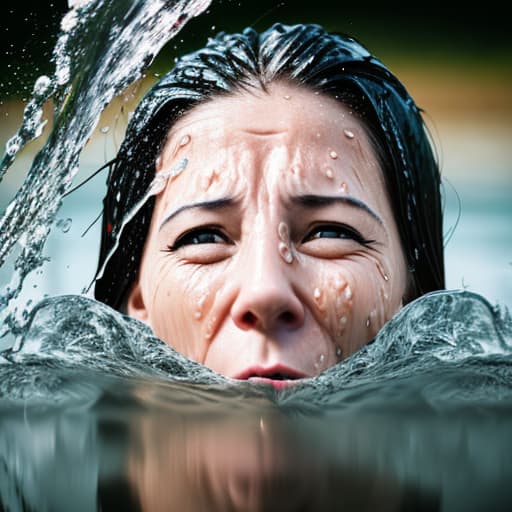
{"points": [[94, 406], [98, 414]]}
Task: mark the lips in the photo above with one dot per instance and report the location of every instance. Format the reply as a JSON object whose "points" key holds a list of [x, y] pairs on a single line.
{"points": [[278, 376]]}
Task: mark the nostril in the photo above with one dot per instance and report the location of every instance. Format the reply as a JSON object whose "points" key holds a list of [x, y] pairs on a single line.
{"points": [[249, 319], [287, 317]]}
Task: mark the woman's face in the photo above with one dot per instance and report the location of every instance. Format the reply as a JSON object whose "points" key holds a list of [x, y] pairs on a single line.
{"points": [[274, 254]]}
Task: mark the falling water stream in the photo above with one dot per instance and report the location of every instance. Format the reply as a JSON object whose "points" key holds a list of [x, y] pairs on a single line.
{"points": [[96, 413]]}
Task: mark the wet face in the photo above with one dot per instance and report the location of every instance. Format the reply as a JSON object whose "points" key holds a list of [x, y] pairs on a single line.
{"points": [[274, 254]]}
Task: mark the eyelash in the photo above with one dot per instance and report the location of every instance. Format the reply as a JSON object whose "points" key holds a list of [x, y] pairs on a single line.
{"points": [[187, 237], [348, 233]]}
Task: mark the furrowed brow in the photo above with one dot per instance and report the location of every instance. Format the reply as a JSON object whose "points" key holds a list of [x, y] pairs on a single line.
{"points": [[311, 201], [213, 205]]}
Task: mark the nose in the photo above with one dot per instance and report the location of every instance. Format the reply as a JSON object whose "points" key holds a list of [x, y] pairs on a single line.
{"points": [[266, 299]]}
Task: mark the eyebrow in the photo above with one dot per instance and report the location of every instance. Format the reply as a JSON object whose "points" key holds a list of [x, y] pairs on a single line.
{"points": [[214, 205], [311, 201]]}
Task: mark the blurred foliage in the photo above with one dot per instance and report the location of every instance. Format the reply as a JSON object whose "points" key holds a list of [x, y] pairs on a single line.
{"points": [[477, 35]]}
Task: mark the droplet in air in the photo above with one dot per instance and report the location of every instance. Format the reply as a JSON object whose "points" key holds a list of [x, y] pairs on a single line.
{"points": [[349, 134], [62, 74], [69, 21], [13, 145], [41, 85], [64, 224], [333, 154]]}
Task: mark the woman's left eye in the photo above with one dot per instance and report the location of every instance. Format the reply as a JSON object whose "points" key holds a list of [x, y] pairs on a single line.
{"points": [[337, 231]]}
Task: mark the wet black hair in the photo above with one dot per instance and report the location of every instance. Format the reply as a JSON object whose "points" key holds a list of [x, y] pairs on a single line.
{"points": [[307, 55]]}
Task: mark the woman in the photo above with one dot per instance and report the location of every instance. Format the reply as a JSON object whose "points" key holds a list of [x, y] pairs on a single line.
{"points": [[296, 205]]}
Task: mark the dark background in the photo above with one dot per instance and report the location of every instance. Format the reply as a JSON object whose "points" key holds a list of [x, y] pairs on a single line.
{"points": [[478, 33]]}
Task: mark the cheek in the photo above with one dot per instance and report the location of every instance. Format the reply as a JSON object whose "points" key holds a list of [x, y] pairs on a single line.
{"points": [[352, 301], [178, 307]]}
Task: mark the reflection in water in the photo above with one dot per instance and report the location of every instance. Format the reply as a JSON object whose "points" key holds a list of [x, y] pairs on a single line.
{"points": [[98, 414], [137, 445]]}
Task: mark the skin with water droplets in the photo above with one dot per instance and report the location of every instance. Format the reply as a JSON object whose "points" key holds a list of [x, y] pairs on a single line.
{"points": [[239, 247]]}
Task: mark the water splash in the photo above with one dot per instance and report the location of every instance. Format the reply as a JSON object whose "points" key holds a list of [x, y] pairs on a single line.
{"points": [[103, 48]]}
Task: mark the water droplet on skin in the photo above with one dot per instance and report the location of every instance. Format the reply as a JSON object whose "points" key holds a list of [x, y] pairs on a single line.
{"points": [[349, 134], [209, 329], [381, 270], [321, 359], [343, 187], [317, 293], [184, 140], [339, 352], [285, 252], [348, 293], [329, 173], [339, 284], [209, 179], [105, 129], [199, 307], [283, 232], [333, 155], [287, 97], [368, 322], [343, 320]]}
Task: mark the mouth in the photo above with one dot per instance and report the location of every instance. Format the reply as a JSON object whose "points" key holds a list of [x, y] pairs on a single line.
{"points": [[279, 377]]}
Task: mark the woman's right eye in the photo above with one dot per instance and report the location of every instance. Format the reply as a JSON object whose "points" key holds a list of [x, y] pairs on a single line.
{"points": [[199, 236]]}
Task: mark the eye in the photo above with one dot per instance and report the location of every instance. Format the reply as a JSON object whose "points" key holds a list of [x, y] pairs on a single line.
{"points": [[197, 236], [336, 231]]}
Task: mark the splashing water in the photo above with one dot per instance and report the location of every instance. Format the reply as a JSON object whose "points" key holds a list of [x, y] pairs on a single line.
{"points": [[156, 186], [429, 397], [103, 47]]}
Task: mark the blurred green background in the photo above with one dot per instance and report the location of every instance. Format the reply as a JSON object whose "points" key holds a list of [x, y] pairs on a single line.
{"points": [[456, 63]]}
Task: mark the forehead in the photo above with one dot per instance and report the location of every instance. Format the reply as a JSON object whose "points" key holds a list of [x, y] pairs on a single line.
{"points": [[252, 134], [281, 109]]}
